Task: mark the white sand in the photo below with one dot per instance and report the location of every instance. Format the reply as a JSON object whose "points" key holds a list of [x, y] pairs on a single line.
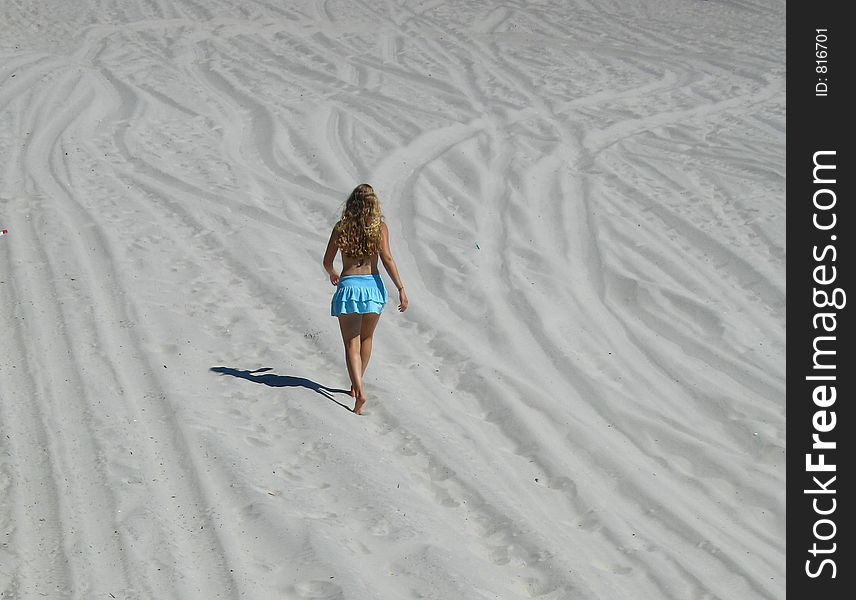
{"points": [[585, 399]]}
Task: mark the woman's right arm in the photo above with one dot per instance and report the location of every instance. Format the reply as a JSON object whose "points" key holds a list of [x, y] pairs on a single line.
{"points": [[330, 255], [389, 265]]}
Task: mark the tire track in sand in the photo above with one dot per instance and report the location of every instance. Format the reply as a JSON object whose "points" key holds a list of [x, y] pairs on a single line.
{"points": [[171, 505], [33, 509]]}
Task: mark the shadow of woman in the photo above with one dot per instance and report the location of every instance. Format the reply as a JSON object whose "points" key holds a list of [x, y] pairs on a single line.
{"points": [[273, 380]]}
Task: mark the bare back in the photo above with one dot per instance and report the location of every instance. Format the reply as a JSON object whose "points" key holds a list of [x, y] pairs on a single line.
{"points": [[359, 265], [364, 265]]}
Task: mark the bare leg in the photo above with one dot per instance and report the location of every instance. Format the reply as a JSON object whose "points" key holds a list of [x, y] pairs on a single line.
{"points": [[369, 322], [350, 326], [367, 328]]}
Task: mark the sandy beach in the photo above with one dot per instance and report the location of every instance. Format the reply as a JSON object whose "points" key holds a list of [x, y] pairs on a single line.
{"points": [[586, 397]]}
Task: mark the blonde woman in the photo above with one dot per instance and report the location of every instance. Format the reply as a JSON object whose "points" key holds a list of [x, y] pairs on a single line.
{"points": [[362, 237]]}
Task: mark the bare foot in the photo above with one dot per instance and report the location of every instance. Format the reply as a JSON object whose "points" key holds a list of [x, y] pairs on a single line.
{"points": [[358, 407]]}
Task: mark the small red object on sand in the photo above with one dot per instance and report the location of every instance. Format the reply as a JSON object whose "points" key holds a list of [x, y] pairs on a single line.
{"points": [[4, 232]]}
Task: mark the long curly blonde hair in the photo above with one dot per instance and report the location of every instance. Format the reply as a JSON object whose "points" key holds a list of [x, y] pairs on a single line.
{"points": [[359, 227]]}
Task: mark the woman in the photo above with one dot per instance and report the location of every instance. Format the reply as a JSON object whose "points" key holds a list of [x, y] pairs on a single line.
{"points": [[360, 295]]}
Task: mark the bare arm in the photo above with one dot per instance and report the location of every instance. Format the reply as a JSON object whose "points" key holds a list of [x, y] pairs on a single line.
{"points": [[330, 254], [389, 265]]}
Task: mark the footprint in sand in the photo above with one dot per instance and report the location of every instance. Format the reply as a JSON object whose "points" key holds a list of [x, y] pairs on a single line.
{"points": [[287, 474], [438, 472], [322, 590], [499, 555], [563, 483], [406, 449], [443, 498], [357, 547], [590, 521], [380, 528], [258, 443], [316, 452]]}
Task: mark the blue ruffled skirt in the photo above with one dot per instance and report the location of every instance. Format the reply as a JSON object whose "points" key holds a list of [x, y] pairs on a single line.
{"points": [[358, 294]]}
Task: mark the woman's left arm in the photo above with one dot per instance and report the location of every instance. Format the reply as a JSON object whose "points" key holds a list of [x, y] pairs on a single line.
{"points": [[329, 255]]}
